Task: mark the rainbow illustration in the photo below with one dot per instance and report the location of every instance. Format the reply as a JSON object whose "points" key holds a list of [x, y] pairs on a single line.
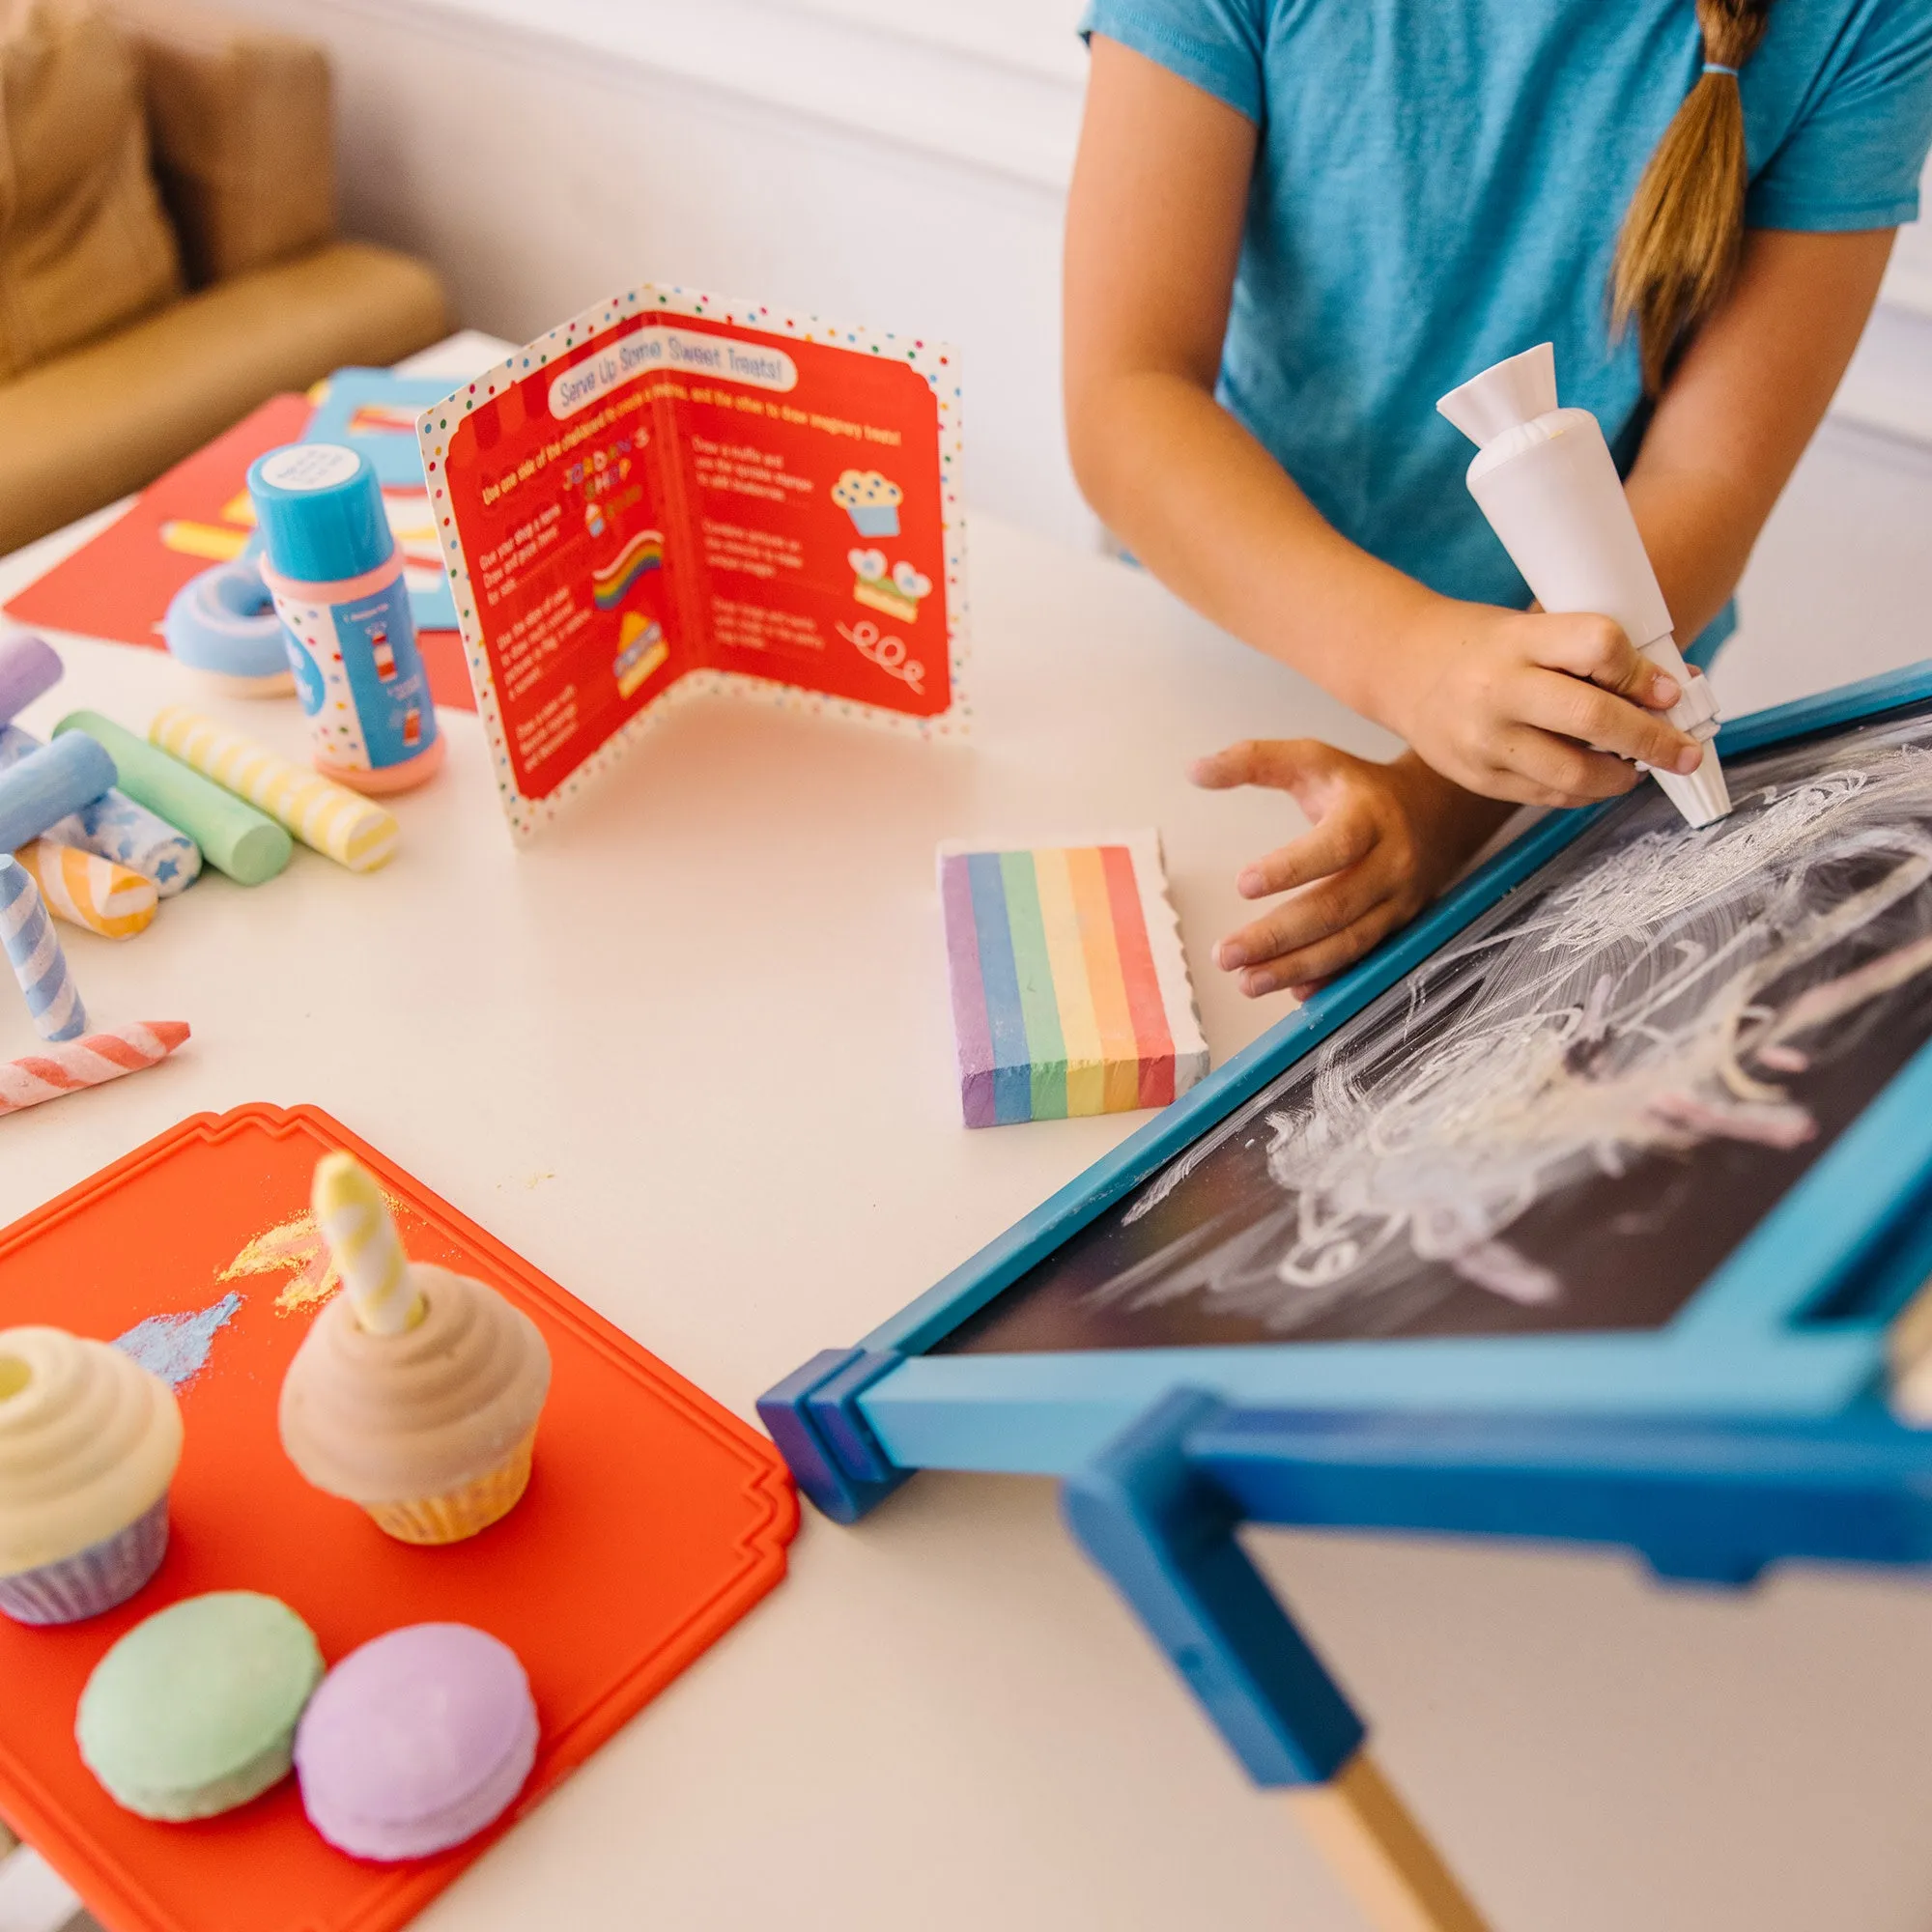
{"points": [[1070, 992], [611, 582]]}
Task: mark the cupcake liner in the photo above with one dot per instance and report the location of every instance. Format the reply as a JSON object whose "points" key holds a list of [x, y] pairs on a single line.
{"points": [[93, 1579], [476, 1506], [874, 520]]}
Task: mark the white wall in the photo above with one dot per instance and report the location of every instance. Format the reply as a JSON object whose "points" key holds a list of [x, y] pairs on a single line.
{"points": [[895, 162]]}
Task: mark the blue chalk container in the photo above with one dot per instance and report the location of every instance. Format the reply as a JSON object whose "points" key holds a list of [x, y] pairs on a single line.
{"points": [[336, 572]]}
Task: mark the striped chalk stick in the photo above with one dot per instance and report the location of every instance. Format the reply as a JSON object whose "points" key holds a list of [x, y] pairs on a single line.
{"points": [[114, 826], [233, 836], [90, 1061], [34, 952], [29, 668], [341, 824], [89, 891], [1069, 987], [50, 782], [356, 1224]]}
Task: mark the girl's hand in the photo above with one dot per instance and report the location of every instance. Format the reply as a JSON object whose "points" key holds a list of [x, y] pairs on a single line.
{"points": [[1526, 705], [1385, 840]]}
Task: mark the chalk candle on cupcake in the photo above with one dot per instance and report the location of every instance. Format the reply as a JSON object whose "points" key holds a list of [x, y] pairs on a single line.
{"points": [[89, 1441], [336, 572], [417, 1391]]}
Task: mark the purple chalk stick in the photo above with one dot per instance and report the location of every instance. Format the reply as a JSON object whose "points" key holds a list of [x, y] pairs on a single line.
{"points": [[970, 1026], [29, 667]]}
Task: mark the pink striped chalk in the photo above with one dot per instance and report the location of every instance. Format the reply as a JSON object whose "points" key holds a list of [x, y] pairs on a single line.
{"points": [[68, 1066]]}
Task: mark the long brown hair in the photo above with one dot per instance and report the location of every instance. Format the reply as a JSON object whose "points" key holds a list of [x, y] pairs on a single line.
{"points": [[1679, 245]]}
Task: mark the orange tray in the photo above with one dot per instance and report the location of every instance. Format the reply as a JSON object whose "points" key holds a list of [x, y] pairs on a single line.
{"points": [[653, 1522]]}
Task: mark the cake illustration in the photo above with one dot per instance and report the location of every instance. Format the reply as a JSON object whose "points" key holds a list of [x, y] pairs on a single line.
{"points": [[89, 1441], [896, 592], [872, 500], [640, 650], [417, 1391]]}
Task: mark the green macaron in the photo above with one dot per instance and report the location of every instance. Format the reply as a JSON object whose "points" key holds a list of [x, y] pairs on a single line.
{"points": [[194, 1712]]}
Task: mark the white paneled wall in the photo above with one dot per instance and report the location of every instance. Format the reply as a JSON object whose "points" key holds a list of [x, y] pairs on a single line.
{"points": [[895, 162]]}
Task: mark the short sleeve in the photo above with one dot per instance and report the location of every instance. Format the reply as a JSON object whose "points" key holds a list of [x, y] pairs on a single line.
{"points": [[1853, 157], [1215, 45]]}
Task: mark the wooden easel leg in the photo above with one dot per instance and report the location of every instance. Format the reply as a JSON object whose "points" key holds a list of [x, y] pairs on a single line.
{"points": [[1380, 1853]]}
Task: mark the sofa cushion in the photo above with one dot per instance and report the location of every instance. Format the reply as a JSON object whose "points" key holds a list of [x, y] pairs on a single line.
{"points": [[78, 431], [84, 245], [238, 119]]}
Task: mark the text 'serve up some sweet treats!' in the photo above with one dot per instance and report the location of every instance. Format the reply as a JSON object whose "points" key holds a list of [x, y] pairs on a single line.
{"points": [[418, 1391], [89, 1441]]}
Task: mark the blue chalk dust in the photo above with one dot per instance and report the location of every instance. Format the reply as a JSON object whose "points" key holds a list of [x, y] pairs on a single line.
{"points": [[177, 1346]]}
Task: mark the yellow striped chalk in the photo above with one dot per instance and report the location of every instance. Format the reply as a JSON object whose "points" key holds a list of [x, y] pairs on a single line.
{"points": [[339, 823], [354, 1221], [88, 891]]}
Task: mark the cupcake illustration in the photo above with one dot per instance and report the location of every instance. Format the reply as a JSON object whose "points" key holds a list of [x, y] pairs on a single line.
{"points": [[418, 1391], [872, 500], [896, 591], [89, 1441]]}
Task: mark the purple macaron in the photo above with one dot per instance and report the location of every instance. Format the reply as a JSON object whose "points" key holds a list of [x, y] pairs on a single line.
{"points": [[416, 1742]]}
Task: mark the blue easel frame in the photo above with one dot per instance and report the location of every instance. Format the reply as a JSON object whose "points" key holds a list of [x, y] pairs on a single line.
{"points": [[855, 1421]]}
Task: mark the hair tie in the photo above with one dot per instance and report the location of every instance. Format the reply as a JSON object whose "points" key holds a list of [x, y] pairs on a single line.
{"points": [[1718, 67]]}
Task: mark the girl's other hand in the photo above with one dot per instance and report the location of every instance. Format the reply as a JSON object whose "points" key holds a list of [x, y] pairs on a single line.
{"points": [[1526, 705], [1385, 840]]}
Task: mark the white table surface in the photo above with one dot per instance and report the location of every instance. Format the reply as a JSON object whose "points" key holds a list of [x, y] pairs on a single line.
{"points": [[692, 1055]]}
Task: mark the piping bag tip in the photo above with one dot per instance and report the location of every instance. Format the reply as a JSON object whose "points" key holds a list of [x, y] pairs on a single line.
{"points": [[1703, 797], [1513, 392]]}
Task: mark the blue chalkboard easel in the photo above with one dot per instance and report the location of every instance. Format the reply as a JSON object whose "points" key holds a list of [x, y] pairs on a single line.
{"points": [[1756, 1425]]}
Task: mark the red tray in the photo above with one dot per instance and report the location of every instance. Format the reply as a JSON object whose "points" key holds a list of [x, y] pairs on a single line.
{"points": [[653, 1522]]}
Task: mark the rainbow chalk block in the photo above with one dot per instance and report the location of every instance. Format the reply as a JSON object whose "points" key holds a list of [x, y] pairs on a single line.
{"points": [[233, 836], [90, 1061], [34, 952], [1069, 988], [342, 825], [29, 668], [114, 826], [88, 891]]}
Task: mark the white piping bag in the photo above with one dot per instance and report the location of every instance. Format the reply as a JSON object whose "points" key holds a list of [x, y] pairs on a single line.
{"points": [[1544, 478]]}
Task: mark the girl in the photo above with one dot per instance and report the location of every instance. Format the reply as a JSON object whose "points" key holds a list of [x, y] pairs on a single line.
{"points": [[1296, 224]]}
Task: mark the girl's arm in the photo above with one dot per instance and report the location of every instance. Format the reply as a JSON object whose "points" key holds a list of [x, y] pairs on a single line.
{"points": [[1500, 701], [1154, 233]]}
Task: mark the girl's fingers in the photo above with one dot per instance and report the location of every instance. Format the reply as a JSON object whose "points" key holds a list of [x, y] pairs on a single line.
{"points": [[1597, 648], [1304, 920], [1339, 841], [1280, 762], [1324, 958], [1582, 711], [1561, 767]]}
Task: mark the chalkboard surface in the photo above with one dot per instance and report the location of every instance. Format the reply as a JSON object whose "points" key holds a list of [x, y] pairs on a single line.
{"points": [[1570, 1115]]}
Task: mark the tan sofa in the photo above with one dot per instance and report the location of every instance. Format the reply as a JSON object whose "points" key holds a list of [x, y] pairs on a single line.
{"points": [[168, 256]]}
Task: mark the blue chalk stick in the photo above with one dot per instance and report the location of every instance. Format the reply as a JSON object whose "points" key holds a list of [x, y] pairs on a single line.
{"points": [[114, 826], [33, 950], [47, 785]]}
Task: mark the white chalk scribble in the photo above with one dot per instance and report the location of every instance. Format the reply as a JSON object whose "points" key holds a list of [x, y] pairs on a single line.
{"points": [[1660, 994]]}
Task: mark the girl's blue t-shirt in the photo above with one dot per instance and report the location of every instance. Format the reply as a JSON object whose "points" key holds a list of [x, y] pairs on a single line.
{"points": [[1438, 184]]}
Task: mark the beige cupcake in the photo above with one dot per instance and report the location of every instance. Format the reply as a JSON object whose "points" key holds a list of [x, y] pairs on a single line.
{"points": [[417, 1392]]}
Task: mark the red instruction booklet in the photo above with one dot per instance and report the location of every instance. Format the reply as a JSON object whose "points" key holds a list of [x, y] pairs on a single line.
{"points": [[673, 495]]}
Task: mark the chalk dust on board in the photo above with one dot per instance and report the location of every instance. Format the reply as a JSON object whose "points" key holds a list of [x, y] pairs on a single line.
{"points": [[1568, 1116], [177, 1346], [294, 1248]]}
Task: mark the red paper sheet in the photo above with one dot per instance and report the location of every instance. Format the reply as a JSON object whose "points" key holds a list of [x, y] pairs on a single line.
{"points": [[118, 585], [653, 1522]]}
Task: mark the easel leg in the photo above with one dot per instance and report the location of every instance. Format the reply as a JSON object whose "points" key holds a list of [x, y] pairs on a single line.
{"points": [[1380, 1854]]}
